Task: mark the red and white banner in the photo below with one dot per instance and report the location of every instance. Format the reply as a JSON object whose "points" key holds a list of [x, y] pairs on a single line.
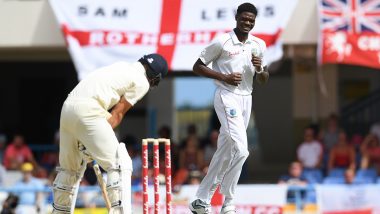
{"points": [[350, 32], [349, 199], [100, 32], [250, 199]]}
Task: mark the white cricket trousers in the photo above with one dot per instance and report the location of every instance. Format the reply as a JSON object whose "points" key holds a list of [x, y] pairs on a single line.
{"points": [[232, 149], [85, 121]]}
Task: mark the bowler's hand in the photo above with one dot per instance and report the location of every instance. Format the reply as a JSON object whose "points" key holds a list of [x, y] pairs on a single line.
{"points": [[233, 79], [257, 62]]}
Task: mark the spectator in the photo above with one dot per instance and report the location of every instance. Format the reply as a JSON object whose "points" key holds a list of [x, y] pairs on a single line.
{"points": [[85, 199], [180, 177], [3, 142], [294, 176], [211, 145], [49, 183], [349, 176], [370, 149], [309, 153], [342, 155], [195, 177], [134, 153], [191, 157], [317, 131], [17, 153], [49, 160], [29, 202], [40, 172], [165, 132], [191, 133], [356, 142], [331, 134]]}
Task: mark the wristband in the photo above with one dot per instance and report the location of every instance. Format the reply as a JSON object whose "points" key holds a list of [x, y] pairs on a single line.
{"points": [[261, 70]]}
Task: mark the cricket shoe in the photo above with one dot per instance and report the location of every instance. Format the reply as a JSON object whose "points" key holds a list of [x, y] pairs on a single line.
{"points": [[229, 209], [200, 207]]}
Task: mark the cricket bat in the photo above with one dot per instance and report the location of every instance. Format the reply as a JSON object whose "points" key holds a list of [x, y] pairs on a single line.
{"points": [[102, 185]]}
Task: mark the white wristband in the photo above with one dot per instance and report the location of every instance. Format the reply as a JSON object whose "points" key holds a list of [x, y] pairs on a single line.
{"points": [[261, 70]]}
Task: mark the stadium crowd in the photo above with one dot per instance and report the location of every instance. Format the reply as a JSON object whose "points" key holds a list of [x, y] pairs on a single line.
{"points": [[328, 156], [26, 166]]}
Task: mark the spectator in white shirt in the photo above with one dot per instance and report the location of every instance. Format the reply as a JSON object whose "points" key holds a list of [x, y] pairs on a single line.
{"points": [[309, 153]]}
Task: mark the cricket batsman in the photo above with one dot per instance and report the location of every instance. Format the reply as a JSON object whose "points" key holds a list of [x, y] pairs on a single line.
{"points": [[90, 113], [236, 59]]}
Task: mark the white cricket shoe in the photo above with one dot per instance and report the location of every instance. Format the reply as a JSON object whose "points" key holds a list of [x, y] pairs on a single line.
{"points": [[229, 209], [200, 207]]}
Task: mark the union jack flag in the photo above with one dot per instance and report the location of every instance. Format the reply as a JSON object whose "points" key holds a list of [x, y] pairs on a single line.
{"points": [[353, 16]]}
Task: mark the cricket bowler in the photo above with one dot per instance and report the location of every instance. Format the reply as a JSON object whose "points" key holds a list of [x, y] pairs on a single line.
{"points": [[236, 59], [89, 114]]}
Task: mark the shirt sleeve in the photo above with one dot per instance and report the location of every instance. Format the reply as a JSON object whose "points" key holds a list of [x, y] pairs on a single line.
{"points": [[137, 92], [211, 52]]}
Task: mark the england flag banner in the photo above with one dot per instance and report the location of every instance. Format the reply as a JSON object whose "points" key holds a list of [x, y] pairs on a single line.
{"points": [[100, 32], [350, 32], [348, 199]]}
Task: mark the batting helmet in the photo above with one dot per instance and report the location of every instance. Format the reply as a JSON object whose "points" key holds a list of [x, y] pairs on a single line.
{"points": [[158, 67]]}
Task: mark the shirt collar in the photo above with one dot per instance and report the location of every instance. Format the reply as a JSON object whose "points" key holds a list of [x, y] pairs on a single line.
{"points": [[235, 39]]}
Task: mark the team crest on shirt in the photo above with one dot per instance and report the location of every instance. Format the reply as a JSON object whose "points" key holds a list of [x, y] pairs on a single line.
{"points": [[233, 53], [231, 112]]}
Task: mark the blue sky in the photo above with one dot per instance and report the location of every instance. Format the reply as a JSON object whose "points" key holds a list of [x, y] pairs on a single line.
{"points": [[197, 91]]}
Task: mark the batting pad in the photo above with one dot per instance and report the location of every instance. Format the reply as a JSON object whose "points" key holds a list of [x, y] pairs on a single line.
{"points": [[119, 183]]}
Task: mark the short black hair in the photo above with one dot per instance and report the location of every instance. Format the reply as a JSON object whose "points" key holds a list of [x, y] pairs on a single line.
{"points": [[247, 7]]}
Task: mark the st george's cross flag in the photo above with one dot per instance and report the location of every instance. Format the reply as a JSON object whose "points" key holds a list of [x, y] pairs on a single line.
{"points": [[100, 32]]}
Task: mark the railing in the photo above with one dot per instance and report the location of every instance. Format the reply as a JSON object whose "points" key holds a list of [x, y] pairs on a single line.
{"points": [[360, 115]]}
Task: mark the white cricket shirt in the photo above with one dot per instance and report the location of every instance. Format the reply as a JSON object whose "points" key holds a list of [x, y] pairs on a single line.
{"points": [[229, 55], [108, 84], [308, 153]]}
